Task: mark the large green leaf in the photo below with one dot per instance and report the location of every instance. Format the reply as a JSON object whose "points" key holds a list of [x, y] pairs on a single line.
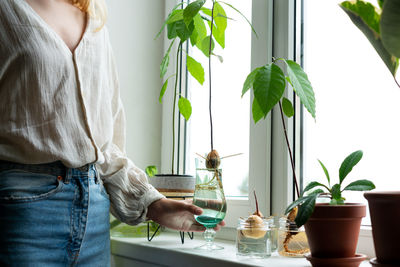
{"points": [[175, 16], [192, 10], [349, 162], [185, 108], [336, 192], [195, 69], [301, 86], [390, 26], [360, 185], [256, 111], [296, 203], [269, 85], [305, 210], [179, 29], [200, 28], [357, 12], [312, 185], [205, 46], [165, 61], [325, 171], [248, 83], [220, 24], [287, 107]]}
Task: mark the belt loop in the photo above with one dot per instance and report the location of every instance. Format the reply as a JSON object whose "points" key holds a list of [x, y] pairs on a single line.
{"points": [[67, 175]]}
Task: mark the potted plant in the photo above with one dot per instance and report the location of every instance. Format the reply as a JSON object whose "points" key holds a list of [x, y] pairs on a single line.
{"points": [[332, 228], [269, 83], [381, 26], [202, 27]]}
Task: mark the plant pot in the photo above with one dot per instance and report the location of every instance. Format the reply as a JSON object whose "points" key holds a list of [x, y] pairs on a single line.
{"points": [[332, 230], [173, 185], [384, 208]]}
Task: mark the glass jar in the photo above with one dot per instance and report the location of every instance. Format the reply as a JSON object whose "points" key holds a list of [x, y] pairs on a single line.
{"points": [[273, 223], [292, 241], [253, 237]]}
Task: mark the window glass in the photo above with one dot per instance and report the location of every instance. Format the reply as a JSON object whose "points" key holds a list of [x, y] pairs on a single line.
{"points": [[356, 100], [230, 112]]}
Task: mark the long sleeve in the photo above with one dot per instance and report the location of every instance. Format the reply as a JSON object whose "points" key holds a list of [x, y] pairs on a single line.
{"points": [[127, 185]]}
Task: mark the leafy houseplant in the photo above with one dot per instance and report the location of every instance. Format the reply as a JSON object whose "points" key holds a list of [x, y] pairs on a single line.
{"points": [[202, 27], [332, 228], [381, 26]]}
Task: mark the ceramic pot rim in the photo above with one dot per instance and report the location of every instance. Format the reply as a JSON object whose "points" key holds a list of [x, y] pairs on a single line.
{"points": [[348, 210], [382, 195]]}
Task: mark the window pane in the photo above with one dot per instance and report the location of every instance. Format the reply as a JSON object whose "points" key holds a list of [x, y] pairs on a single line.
{"points": [[231, 113], [356, 102]]}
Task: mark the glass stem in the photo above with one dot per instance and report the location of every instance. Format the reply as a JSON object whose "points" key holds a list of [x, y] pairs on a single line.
{"points": [[209, 235]]}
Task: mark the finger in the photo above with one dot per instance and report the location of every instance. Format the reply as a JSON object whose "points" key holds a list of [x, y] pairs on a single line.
{"points": [[222, 223], [194, 209]]}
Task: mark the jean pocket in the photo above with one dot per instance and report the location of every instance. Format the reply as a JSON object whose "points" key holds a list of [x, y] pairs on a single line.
{"points": [[23, 186], [103, 190]]}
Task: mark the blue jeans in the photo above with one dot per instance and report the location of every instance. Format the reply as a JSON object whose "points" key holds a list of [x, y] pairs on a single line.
{"points": [[51, 215]]}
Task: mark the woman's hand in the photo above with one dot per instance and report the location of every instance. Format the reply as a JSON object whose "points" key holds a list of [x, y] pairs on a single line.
{"points": [[177, 215]]}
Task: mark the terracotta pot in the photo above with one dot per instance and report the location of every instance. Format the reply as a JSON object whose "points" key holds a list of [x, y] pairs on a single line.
{"points": [[332, 230], [384, 208]]}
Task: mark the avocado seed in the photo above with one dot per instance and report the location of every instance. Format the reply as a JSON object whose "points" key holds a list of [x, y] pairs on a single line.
{"points": [[213, 160], [254, 227]]}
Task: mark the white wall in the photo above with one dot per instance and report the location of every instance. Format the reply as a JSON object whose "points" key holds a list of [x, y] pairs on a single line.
{"points": [[133, 25]]}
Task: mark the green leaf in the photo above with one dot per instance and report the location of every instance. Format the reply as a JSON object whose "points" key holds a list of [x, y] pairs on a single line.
{"points": [[195, 69], [206, 11], [256, 111], [366, 23], [175, 16], [296, 203], [380, 3], [238, 11], [390, 26], [312, 185], [349, 162], [165, 61], [168, 18], [325, 171], [287, 107], [316, 192], [339, 201], [301, 86], [194, 37], [360, 185], [179, 29], [163, 89], [305, 210], [220, 24], [205, 46], [192, 10], [269, 85], [151, 170], [248, 83], [185, 108], [200, 28], [336, 192]]}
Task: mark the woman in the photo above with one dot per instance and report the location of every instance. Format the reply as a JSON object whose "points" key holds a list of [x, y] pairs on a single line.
{"points": [[62, 135]]}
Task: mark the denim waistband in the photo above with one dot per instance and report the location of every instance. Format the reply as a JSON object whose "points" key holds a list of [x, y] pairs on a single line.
{"points": [[56, 168]]}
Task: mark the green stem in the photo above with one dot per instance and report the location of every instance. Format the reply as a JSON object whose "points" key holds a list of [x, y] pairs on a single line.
{"points": [[174, 108], [209, 74], [290, 151]]}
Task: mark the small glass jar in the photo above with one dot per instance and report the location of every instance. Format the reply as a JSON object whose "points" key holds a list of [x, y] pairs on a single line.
{"points": [[292, 241], [253, 238], [273, 223]]}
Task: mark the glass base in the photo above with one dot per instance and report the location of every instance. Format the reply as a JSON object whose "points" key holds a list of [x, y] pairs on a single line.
{"points": [[209, 247]]}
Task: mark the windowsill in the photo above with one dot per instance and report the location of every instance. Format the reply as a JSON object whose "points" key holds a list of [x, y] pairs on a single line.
{"points": [[167, 250]]}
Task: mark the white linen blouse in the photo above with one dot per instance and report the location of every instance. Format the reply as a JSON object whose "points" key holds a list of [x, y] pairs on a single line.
{"points": [[58, 105]]}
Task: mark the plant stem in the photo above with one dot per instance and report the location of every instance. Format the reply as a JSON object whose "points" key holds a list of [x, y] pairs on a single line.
{"points": [[290, 151], [174, 108], [209, 74], [396, 82]]}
